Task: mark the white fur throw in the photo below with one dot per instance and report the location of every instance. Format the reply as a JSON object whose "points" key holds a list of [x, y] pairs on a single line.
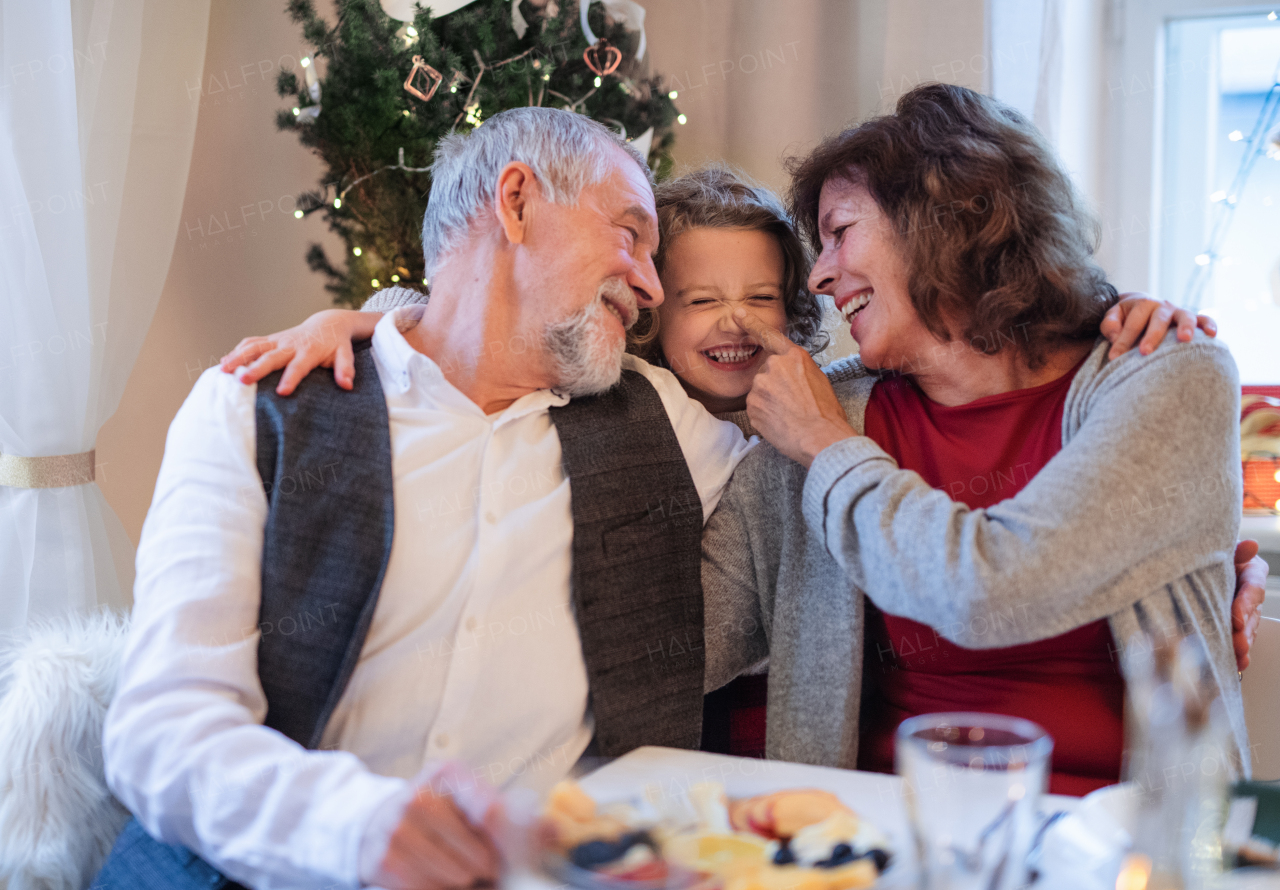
{"points": [[58, 821]]}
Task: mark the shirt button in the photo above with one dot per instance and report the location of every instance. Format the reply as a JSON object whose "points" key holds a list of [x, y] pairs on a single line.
{"points": [[490, 517], [442, 740]]}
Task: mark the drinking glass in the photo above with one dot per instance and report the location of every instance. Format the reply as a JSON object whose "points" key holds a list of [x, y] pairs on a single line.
{"points": [[973, 782]]}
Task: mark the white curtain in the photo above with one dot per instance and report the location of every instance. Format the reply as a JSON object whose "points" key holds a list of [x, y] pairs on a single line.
{"points": [[96, 128]]}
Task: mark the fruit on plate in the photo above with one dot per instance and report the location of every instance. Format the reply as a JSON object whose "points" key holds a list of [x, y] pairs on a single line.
{"points": [[792, 811], [716, 854], [575, 820], [803, 839], [783, 813]]}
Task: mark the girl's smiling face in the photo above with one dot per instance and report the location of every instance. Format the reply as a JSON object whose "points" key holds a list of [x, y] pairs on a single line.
{"points": [[707, 274]]}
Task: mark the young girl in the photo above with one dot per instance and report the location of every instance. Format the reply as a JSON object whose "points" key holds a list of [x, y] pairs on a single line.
{"points": [[724, 243]]}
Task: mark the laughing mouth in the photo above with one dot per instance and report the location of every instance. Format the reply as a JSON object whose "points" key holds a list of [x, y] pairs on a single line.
{"points": [[856, 304], [729, 355], [617, 313]]}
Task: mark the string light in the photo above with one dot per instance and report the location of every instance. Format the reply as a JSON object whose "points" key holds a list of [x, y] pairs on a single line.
{"points": [[411, 31], [395, 278], [375, 283], [424, 281], [1278, 475], [405, 112], [673, 95], [297, 214], [682, 119], [337, 202], [296, 111], [306, 61], [357, 251], [598, 81]]}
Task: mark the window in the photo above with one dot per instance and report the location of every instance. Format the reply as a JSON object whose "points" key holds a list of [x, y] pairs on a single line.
{"points": [[1219, 181]]}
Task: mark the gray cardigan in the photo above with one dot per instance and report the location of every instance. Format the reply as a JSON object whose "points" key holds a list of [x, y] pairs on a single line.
{"points": [[1135, 521]]}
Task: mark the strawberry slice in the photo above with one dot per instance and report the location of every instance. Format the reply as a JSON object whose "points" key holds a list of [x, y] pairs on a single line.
{"points": [[760, 817], [653, 870]]}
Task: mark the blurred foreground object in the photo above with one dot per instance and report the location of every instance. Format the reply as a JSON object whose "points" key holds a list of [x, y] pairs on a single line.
{"points": [[1177, 766]]}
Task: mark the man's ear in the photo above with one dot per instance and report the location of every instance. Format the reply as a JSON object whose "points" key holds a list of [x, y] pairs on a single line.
{"points": [[516, 193]]}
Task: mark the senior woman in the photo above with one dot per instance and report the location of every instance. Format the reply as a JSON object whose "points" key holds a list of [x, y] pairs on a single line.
{"points": [[1015, 504]]}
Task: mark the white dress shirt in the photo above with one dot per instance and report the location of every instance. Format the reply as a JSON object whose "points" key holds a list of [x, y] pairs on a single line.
{"points": [[472, 655]]}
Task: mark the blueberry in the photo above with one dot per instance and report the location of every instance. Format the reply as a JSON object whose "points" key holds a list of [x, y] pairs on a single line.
{"points": [[840, 855], [784, 856], [593, 854]]}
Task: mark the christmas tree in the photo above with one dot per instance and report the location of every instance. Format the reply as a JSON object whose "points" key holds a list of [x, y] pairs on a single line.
{"points": [[377, 138]]}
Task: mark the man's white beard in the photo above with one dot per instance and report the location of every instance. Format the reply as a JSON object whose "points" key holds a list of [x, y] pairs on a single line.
{"points": [[586, 352]]}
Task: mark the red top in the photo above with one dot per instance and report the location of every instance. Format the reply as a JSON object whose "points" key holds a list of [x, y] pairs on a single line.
{"points": [[980, 454]]}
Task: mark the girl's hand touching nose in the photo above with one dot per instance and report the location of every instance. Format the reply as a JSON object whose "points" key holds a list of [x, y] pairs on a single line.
{"points": [[791, 402]]}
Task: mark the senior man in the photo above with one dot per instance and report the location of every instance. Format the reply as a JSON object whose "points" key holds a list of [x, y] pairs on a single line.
{"points": [[472, 557]]}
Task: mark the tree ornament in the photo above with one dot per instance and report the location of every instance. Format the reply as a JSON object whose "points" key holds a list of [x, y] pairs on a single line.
{"points": [[602, 58], [628, 13], [402, 10], [431, 76]]}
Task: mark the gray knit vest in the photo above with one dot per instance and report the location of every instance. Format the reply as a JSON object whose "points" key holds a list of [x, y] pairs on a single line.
{"points": [[324, 456]]}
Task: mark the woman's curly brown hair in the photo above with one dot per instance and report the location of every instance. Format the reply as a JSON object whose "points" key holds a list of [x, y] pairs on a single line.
{"points": [[996, 240], [717, 197]]}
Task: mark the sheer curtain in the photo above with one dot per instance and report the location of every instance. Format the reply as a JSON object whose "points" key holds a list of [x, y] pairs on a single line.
{"points": [[96, 130]]}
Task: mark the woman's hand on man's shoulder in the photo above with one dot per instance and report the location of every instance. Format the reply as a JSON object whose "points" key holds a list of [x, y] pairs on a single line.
{"points": [[1138, 316]]}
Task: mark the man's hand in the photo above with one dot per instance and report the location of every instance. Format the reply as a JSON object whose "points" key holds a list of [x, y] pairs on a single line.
{"points": [[437, 835], [1251, 590], [322, 341], [791, 402], [1137, 313]]}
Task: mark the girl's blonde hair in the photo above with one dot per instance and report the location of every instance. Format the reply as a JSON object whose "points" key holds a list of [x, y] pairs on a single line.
{"points": [[717, 197]]}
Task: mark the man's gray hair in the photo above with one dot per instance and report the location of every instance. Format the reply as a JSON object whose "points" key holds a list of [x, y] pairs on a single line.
{"points": [[566, 151]]}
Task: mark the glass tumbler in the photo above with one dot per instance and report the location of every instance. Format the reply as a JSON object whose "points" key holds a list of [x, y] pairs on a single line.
{"points": [[972, 785]]}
